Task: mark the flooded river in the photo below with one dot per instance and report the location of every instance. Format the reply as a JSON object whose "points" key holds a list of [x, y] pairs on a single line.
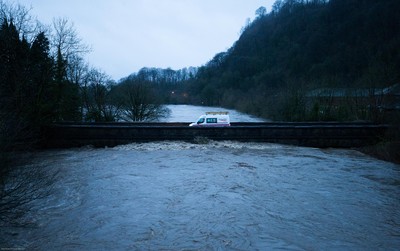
{"points": [[190, 113], [214, 196]]}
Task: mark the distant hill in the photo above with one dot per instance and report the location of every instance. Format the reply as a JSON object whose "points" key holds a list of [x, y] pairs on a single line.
{"points": [[300, 46]]}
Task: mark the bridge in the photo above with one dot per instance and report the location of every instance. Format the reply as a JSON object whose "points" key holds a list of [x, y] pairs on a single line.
{"points": [[322, 135]]}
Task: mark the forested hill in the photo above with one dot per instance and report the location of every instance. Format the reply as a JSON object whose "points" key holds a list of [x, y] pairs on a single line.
{"points": [[300, 46]]}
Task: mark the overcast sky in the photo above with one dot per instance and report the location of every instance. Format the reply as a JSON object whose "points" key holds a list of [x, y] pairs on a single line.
{"points": [[126, 35]]}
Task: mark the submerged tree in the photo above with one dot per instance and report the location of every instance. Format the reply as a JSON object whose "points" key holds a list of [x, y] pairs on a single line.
{"points": [[138, 102], [96, 97]]}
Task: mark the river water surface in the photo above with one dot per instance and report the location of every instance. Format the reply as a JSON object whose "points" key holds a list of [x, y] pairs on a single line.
{"points": [[190, 113], [214, 196]]}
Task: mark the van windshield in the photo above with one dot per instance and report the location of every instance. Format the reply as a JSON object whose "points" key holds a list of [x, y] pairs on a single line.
{"points": [[200, 121]]}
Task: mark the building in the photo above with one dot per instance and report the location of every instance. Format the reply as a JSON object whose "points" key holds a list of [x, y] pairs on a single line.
{"points": [[355, 103]]}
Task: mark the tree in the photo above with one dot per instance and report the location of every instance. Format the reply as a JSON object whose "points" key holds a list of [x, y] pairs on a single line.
{"points": [[42, 87], [26, 95], [68, 49], [138, 102], [260, 12], [25, 24], [66, 40], [39, 84], [26, 83], [277, 6], [14, 55], [97, 99], [304, 45]]}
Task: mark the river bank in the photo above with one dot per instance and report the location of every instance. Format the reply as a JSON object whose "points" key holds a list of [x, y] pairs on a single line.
{"points": [[387, 151]]}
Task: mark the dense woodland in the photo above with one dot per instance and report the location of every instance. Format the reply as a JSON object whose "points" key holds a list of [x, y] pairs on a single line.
{"points": [[300, 46]]}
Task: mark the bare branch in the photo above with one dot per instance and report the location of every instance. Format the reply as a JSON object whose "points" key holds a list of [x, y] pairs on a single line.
{"points": [[66, 39], [26, 25]]}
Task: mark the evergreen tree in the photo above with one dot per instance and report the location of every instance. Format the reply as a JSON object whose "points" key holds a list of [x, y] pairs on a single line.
{"points": [[26, 86], [42, 81], [67, 93]]}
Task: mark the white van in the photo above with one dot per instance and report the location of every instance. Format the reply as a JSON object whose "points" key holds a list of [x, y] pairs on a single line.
{"points": [[213, 119]]}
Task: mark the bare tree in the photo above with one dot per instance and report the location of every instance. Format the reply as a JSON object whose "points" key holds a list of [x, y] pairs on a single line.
{"points": [[26, 25], [96, 97], [77, 69], [139, 103], [66, 40], [22, 185], [68, 50]]}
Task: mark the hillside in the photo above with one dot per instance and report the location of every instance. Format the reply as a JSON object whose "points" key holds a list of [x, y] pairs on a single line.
{"points": [[301, 46]]}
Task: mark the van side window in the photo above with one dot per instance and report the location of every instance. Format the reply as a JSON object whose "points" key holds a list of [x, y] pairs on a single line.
{"points": [[201, 121], [211, 120]]}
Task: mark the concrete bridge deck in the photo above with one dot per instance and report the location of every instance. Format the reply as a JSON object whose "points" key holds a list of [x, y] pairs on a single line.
{"points": [[324, 134]]}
